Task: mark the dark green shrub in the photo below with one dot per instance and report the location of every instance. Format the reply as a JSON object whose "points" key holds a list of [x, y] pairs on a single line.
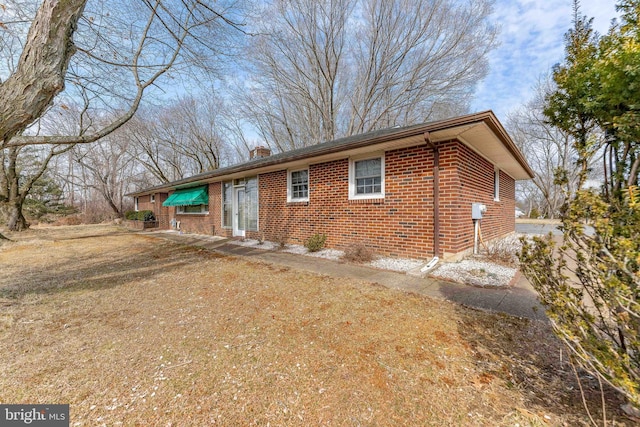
{"points": [[145, 215], [315, 242]]}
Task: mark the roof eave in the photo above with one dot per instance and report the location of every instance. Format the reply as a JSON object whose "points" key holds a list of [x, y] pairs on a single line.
{"points": [[325, 150]]}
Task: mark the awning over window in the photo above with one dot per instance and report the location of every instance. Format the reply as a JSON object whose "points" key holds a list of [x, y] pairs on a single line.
{"points": [[188, 197]]}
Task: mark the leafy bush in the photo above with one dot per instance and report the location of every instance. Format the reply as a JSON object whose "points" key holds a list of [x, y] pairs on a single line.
{"points": [[315, 242], [145, 215], [590, 284], [590, 281], [148, 216], [358, 252]]}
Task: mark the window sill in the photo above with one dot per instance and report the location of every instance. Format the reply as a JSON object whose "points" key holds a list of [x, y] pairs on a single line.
{"points": [[367, 201], [193, 213], [300, 202]]}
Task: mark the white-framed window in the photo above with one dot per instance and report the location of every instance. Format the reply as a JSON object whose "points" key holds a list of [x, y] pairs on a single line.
{"points": [[366, 177], [152, 198], [135, 204], [227, 204], [298, 185], [496, 185], [194, 209]]}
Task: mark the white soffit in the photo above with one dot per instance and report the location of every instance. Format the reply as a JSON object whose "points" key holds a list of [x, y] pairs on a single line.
{"points": [[479, 137]]}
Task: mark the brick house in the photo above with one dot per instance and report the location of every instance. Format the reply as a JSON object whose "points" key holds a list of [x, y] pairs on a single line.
{"points": [[404, 191]]}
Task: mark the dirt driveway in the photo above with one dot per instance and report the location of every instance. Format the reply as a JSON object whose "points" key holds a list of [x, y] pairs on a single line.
{"points": [[133, 330]]}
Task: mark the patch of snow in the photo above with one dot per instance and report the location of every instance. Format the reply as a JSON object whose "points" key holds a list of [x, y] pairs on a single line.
{"points": [[468, 271], [476, 273], [266, 245], [396, 264], [295, 249], [332, 254]]}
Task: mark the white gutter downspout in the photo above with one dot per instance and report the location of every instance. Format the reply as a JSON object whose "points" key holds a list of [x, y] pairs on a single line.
{"points": [[436, 204]]}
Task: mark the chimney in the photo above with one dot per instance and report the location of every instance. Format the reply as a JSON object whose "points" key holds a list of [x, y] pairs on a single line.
{"points": [[259, 152]]}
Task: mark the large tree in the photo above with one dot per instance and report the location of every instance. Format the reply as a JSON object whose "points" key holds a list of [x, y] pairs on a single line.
{"points": [[183, 138], [106, 55], [20, 169], [322, 69], [549, 150], [591, 282]]}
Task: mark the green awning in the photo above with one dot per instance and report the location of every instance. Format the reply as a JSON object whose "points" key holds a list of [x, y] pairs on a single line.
{"points": [[188, 197]]}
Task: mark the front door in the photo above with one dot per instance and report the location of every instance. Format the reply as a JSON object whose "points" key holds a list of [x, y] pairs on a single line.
{"points": [[238, 211]]}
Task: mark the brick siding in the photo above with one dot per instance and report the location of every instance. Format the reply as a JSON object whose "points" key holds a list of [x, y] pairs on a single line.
{"points": [[161, 213], [469, 179], [399, 225]]}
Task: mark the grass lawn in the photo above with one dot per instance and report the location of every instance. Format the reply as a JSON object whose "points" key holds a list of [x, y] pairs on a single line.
{"points": [[132, 330]]}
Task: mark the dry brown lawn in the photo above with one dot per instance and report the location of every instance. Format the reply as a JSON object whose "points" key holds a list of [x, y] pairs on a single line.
{"points": [[133, 330]]}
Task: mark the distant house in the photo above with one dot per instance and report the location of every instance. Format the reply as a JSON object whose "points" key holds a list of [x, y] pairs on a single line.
{"points": [[404, 191]]}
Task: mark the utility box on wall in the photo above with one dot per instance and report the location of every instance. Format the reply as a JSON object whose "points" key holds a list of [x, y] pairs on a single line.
{"points": [[477, 210]]}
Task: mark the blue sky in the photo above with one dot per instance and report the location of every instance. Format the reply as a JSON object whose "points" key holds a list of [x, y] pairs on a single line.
{"points": [[532, 41]]}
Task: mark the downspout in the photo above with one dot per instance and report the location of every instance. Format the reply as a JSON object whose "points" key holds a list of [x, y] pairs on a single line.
{"points": [[436, 194], [436, 205]]}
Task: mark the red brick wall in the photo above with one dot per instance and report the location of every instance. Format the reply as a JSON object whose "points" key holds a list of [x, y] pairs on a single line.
{"points": [[399, 225], [161, 213], [144, 203], [469, 179]]}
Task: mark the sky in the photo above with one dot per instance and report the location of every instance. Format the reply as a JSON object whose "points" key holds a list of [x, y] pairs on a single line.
{"points": [[531, 42]]}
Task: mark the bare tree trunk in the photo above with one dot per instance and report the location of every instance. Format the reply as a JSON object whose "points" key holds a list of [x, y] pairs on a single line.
{"points": [[17, 221], [42, 67], [17, 190]]}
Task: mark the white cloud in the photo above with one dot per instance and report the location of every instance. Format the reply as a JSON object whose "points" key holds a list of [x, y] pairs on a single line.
{"points": [[532, 41]]}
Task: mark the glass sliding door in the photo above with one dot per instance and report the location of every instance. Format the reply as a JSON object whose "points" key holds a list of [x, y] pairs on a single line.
{"points": [[245, 206], [239, 208]]}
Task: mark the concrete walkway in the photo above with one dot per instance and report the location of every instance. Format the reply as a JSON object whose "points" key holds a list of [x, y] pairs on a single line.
{"points": [[518, 300]]}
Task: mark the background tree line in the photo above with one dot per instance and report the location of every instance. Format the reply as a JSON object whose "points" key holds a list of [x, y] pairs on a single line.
{"points": [[138, 93]]}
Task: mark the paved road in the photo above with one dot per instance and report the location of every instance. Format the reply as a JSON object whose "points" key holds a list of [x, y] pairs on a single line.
{"points": [[531, 228], [541, 228]]}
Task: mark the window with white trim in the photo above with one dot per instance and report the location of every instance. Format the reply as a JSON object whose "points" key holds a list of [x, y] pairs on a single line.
{"points": [[298, 186], [496, 185], [135, 204], [366, 178], [194, 209], [152, 198]]}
